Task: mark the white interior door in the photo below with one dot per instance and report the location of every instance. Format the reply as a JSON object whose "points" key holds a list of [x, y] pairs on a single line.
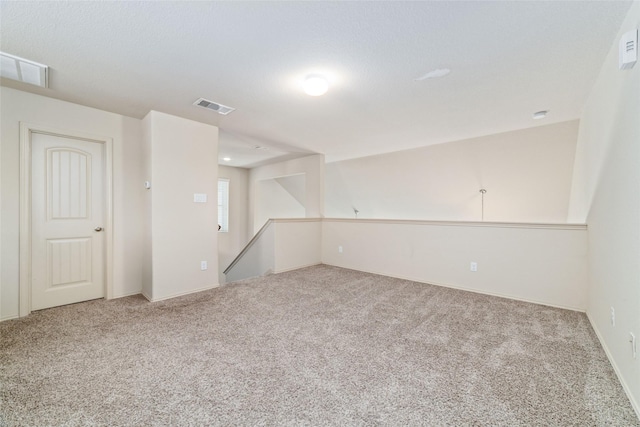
{"points": [[67, 211]]}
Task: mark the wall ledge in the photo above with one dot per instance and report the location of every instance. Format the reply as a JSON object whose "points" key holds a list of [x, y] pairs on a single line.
{"points": [[288, 220], [551, 226]]}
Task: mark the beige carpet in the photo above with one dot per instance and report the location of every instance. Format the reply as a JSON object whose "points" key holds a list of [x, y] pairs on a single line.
{"points": [[317, 346]]}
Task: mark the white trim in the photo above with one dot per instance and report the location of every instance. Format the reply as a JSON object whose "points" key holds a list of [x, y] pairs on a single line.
{"points": [[285, 220], [297, 268], [566, 226], [2, 319], [130, 294], [26, 129], [181, 294], [552, 226], [25, 220], [108, 217], [223, 221], [634, 404]]}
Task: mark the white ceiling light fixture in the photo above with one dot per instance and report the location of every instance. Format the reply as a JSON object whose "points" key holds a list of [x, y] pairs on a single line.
{"points": [[315, 85], [226, 159], [210, 105], [20, 69], [540, 114]]}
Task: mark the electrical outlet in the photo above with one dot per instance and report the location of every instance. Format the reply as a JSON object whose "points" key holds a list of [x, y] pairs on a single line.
{"points": [[634, 348], [203, 265], [474, 266], [613, 316], [339, 249]]}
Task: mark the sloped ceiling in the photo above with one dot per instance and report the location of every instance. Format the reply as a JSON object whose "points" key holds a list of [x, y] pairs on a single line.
{"points": [[507, 60]]}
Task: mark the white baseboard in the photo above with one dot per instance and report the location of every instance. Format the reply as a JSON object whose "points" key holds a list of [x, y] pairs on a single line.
{"points": [[625, 387], [181, 294], [2, 319], [462, 288], [126, 295], [296, 268], [511, 297]]}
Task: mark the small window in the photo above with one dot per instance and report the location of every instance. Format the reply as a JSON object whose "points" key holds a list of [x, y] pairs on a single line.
{"points": [[223, 205]]}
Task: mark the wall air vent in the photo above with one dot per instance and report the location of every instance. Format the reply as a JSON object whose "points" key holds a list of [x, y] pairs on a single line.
{"points": [[210, 105]]}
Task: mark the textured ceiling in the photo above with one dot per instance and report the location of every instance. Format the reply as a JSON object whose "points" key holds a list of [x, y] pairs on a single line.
{"points": [[508, 60]]}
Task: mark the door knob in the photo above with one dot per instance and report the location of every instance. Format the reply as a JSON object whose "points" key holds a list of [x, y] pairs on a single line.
{"points": [[98, 228]]}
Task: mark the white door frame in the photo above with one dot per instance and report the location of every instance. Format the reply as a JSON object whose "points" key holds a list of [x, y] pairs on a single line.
{"points": [[26, 130]]}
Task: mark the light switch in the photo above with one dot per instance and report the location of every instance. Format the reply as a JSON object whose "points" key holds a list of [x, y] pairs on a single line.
{"points": [[199, 198]]}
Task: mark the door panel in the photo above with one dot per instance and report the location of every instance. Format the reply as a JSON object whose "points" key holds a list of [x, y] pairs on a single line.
{"points": [[67, 208], [68, 183], [69, 261]]}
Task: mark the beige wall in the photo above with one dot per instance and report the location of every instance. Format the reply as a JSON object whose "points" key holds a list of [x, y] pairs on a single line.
{"points": [[152, 238], [311, 166], [17, 106], [606, 193], [297, 244], [184, 161], [231, 243], [527, 175], [272, 200], [541, 264]]}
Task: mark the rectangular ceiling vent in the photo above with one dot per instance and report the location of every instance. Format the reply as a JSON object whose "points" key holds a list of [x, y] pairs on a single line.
{"points": [[218, 108], [23, 70]]}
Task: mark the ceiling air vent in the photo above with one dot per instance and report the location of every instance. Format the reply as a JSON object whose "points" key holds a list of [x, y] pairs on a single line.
{"points": [[23, 70], [219, 108]]}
